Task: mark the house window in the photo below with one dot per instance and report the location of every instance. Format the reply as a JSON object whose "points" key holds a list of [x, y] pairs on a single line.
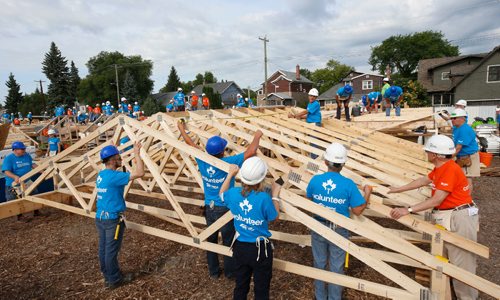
{"points": [[260, 92], [445, 75], [348, 83], [493, 74], [367, 85]]}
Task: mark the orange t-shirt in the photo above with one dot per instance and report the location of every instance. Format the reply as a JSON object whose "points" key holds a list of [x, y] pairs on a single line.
{"points": [[97, 110], [450, 178], [205, 101], [194, 100]]}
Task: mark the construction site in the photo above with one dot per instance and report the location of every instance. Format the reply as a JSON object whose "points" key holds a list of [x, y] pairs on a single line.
{"points": [[55, 256]]}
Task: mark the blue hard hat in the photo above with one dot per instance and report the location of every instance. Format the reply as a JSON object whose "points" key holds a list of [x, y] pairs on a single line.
{"points": [[109, 151], [18, 145], [394, 90], [348, 89], [216, 145]]}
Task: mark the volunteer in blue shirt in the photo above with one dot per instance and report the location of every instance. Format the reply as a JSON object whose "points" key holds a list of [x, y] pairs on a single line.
{"points": [[54, 144], [212, 182], [124, 105], [240, 101], [466, 146], [374, 99], [344, 95], [338, 193], [110, 185], [30, 117], [6, 118], [137, 107], [313, 112], [393, 96], [82, 118], [170, 106], [14, 166], [460, 104], [252, 209], [179, 100]]}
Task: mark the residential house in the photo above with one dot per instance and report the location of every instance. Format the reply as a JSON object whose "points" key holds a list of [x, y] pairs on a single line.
{"points": [[362, 83], [285, 88], [474, 77]]}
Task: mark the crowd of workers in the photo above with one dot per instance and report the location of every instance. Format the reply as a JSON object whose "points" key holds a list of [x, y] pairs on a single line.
{"points": [[455, 163]]}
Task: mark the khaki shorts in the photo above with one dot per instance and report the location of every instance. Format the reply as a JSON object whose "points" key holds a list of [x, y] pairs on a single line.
{"points": [[475, 169]]}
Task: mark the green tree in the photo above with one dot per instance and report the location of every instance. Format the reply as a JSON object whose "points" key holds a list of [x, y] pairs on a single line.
{"points": [[100, 83], [402, 52], [414, 94], [129, 89], [74, 81], [55, 68], [198, 79], [14, 96], [173, 82], [215, 98], [332, 74], [305, 72], [150, 106], [209, 77], [32, 103]]}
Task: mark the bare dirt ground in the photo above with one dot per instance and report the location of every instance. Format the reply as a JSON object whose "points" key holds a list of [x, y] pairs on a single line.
{"points": [[55, 257]]}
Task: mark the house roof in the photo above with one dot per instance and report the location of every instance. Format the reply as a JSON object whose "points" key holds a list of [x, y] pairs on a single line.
{"points": [[363, 74], [163, 97], [453, 59], [219, 87], [290, 76], [485, 58], [283, 96], [331, 92]]}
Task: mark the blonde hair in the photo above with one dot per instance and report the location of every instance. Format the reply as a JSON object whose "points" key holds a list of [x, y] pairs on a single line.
{"points": [[247, 189]]}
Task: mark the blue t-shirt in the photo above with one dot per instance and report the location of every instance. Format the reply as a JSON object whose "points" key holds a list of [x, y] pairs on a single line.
{"points": [[82, 117], [59, 111], [110, 186], [313, 112], [465, 136], [53, 143], [124, 107], [342, 93], [213, 178], [19, 165], [137, 108], [179, 99], [334, 191], [29, 116], [251, 213], [374, 96], [170, 107], [388, 94]]}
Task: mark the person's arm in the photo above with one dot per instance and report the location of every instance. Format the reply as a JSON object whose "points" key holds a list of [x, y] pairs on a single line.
{"points": [[431, 202], [233, 170], [182, 129], [138, 172], [458, 148], [59, 147], [358, 210], [254, 146], [415, 184], [13, 176], [275, 191]]}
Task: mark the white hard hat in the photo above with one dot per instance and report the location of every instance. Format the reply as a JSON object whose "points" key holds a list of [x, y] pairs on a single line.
{"points": [[314, 92], [179, 89], [386, 79], [51, 131], [103, 104], [203, 94], [171, 101], [336, 153], [498, 109], [97, 104], [246, 99], [30, 112], [112, 106], [458, 113], [461, 102], [238, 95], [253, 170], [87, 105], [440, 144], [136, 103], [108, 103], [193, 92], [79, 113]]}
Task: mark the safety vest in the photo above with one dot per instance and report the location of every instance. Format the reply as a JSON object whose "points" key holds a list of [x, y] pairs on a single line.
{"points": [[205, 101]]}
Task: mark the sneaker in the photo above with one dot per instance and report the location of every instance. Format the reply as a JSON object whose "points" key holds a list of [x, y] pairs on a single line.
{"points": [[215, 276], [124, 280]]}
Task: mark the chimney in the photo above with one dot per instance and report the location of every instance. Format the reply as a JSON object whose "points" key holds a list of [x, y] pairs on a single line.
{"points": [[297, 72]]}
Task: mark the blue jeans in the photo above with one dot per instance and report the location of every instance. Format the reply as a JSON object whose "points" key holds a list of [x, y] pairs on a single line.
{"points": [[109, 248], [227, 232], [325, 252], [397, 108]]}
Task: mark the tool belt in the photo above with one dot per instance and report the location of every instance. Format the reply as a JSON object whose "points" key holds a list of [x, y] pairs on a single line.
{"points": [[443, 216], [464, 161]]}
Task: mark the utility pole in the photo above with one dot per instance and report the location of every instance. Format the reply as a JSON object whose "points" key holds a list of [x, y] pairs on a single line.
{"points": [[41, 92], [117, 84], [265, 40]]}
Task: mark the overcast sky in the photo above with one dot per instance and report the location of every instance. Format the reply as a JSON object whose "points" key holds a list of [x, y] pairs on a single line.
{"points": [[222, 36]]}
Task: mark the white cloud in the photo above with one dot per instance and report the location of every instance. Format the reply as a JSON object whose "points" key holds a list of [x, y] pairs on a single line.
{"points": [[222, 36]]}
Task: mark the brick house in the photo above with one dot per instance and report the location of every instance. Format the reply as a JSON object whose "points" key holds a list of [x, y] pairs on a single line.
{"points": [[285, 88], [474, 77]]}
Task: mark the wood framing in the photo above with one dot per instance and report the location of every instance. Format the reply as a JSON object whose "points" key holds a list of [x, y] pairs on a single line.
{"points": [[376, 159]]}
